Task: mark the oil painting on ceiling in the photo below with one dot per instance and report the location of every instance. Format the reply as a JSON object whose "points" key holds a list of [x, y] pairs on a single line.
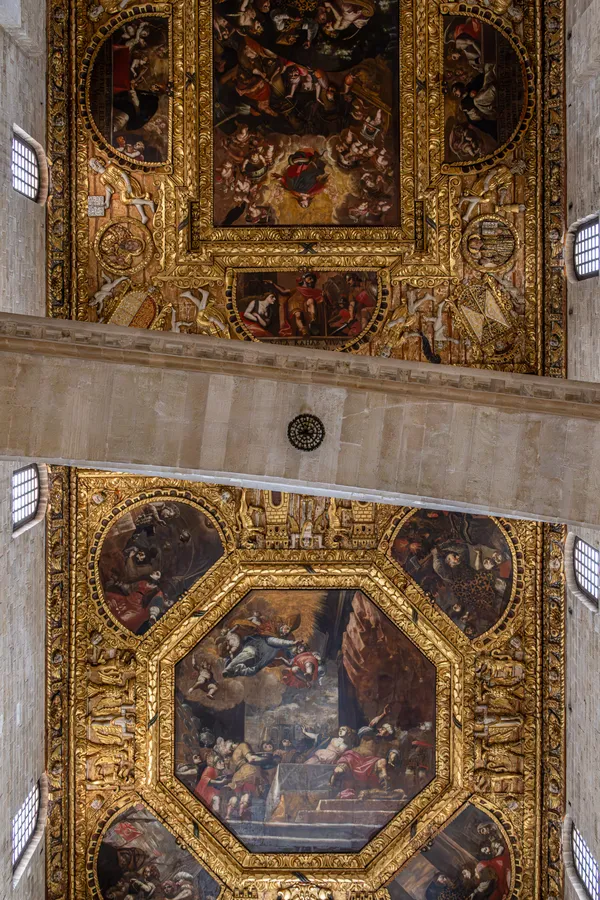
{"points": [[264, 684], [314, 172], [305, 720]]}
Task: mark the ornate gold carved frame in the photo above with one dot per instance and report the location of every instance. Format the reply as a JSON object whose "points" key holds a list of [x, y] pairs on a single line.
{"points": [[528, 803]]}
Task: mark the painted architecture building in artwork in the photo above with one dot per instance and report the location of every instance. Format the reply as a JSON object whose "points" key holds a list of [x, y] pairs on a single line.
{"points": [[312, 613]]}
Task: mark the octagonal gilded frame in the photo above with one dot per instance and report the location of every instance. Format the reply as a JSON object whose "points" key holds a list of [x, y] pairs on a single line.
{"points": [[170, 640]]}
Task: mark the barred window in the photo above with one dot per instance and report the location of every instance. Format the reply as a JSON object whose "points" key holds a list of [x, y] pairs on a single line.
{"points": [[25, 495], [586, 865], [23, 824], [587, 249], [586, 562], [25, 168]]}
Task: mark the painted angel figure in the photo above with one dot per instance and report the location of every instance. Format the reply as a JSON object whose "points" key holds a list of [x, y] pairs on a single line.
{"points": [[248, 647], [205, 680]]}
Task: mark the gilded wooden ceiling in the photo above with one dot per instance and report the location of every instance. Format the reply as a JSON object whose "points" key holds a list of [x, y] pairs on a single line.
{"points": [[256, 694], [262, 695], [372, 176]]}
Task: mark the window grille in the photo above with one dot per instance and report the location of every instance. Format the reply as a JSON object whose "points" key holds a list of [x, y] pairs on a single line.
{"points": [[25, 495], [23, 824], [586, 562], [587, 249], [25, 168], [586, 865]]}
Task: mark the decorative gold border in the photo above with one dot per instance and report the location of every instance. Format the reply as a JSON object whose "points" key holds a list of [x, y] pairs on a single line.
{"points": [[485, 15], [157, 10], [533, 823], [319, 570], [470, 229]]}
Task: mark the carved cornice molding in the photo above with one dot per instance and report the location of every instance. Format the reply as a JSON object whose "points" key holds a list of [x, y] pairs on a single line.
{"points": [[298, 365]]}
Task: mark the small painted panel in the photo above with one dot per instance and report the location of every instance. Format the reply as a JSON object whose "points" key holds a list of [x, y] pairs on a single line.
{"points": [[305, 720], [151, 556], [485, 89], [469, 858], [306, 113], [128, 89], [139, 857], [330, 310], [464, 563]]}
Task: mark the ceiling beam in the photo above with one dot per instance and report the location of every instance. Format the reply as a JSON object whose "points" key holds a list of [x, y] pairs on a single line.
{"points": [[187, 406]]}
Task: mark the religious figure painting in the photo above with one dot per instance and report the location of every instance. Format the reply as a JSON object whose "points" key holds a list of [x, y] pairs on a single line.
{"points": [[128, 90], [322, 309], [484, 88], [469, 858], [305, 112], [151, 556], [463, 561], [138, 857], [305, 720]]}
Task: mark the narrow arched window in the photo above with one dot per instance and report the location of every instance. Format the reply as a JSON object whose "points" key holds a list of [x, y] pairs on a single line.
{"points": [[25, 167], [586, 249], [586, 563], [25, 495], [23, 824], [585, 864]]}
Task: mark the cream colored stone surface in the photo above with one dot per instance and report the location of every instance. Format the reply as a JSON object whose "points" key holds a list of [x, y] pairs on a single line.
{"points": [[113, 397]]}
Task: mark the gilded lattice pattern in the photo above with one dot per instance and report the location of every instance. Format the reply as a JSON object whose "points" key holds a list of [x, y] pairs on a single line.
{"points": [[499, 719]]}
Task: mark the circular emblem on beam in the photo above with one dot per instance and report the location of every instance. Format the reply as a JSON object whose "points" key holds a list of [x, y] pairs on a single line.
{"points": [[306, 432]]}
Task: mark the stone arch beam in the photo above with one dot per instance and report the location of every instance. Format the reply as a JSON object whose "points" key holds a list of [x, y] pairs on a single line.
{"points": [[198, 407]]}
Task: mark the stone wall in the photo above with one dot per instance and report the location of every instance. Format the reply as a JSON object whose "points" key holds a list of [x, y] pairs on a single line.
{"points": [[22, 566], [22, 670], [583, 625]]}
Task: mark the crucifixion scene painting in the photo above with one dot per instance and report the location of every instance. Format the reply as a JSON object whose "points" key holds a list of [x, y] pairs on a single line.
{"points": [[305, 112], [305, 720]]}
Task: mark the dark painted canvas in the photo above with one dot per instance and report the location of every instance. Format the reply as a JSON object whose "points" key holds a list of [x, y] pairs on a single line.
{"points": [[151, 556], [306, 112], [138, 857], [462, 561], [468, 859], [305, 720], [321, 309], [129, 89], [484, 88]]}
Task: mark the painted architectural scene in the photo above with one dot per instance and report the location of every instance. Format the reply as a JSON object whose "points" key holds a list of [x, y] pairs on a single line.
{"points": [[305, 720], [129, 89], [322, 309], [151, 556], [462, 561], [138, 857], [305, 112], [484, 88], [469, 858]]}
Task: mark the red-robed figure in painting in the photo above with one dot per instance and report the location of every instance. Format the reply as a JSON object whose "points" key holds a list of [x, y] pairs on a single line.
{"points": [[495, 873], [138, 603], [303, 670], [361, 769], [305, 176]]}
